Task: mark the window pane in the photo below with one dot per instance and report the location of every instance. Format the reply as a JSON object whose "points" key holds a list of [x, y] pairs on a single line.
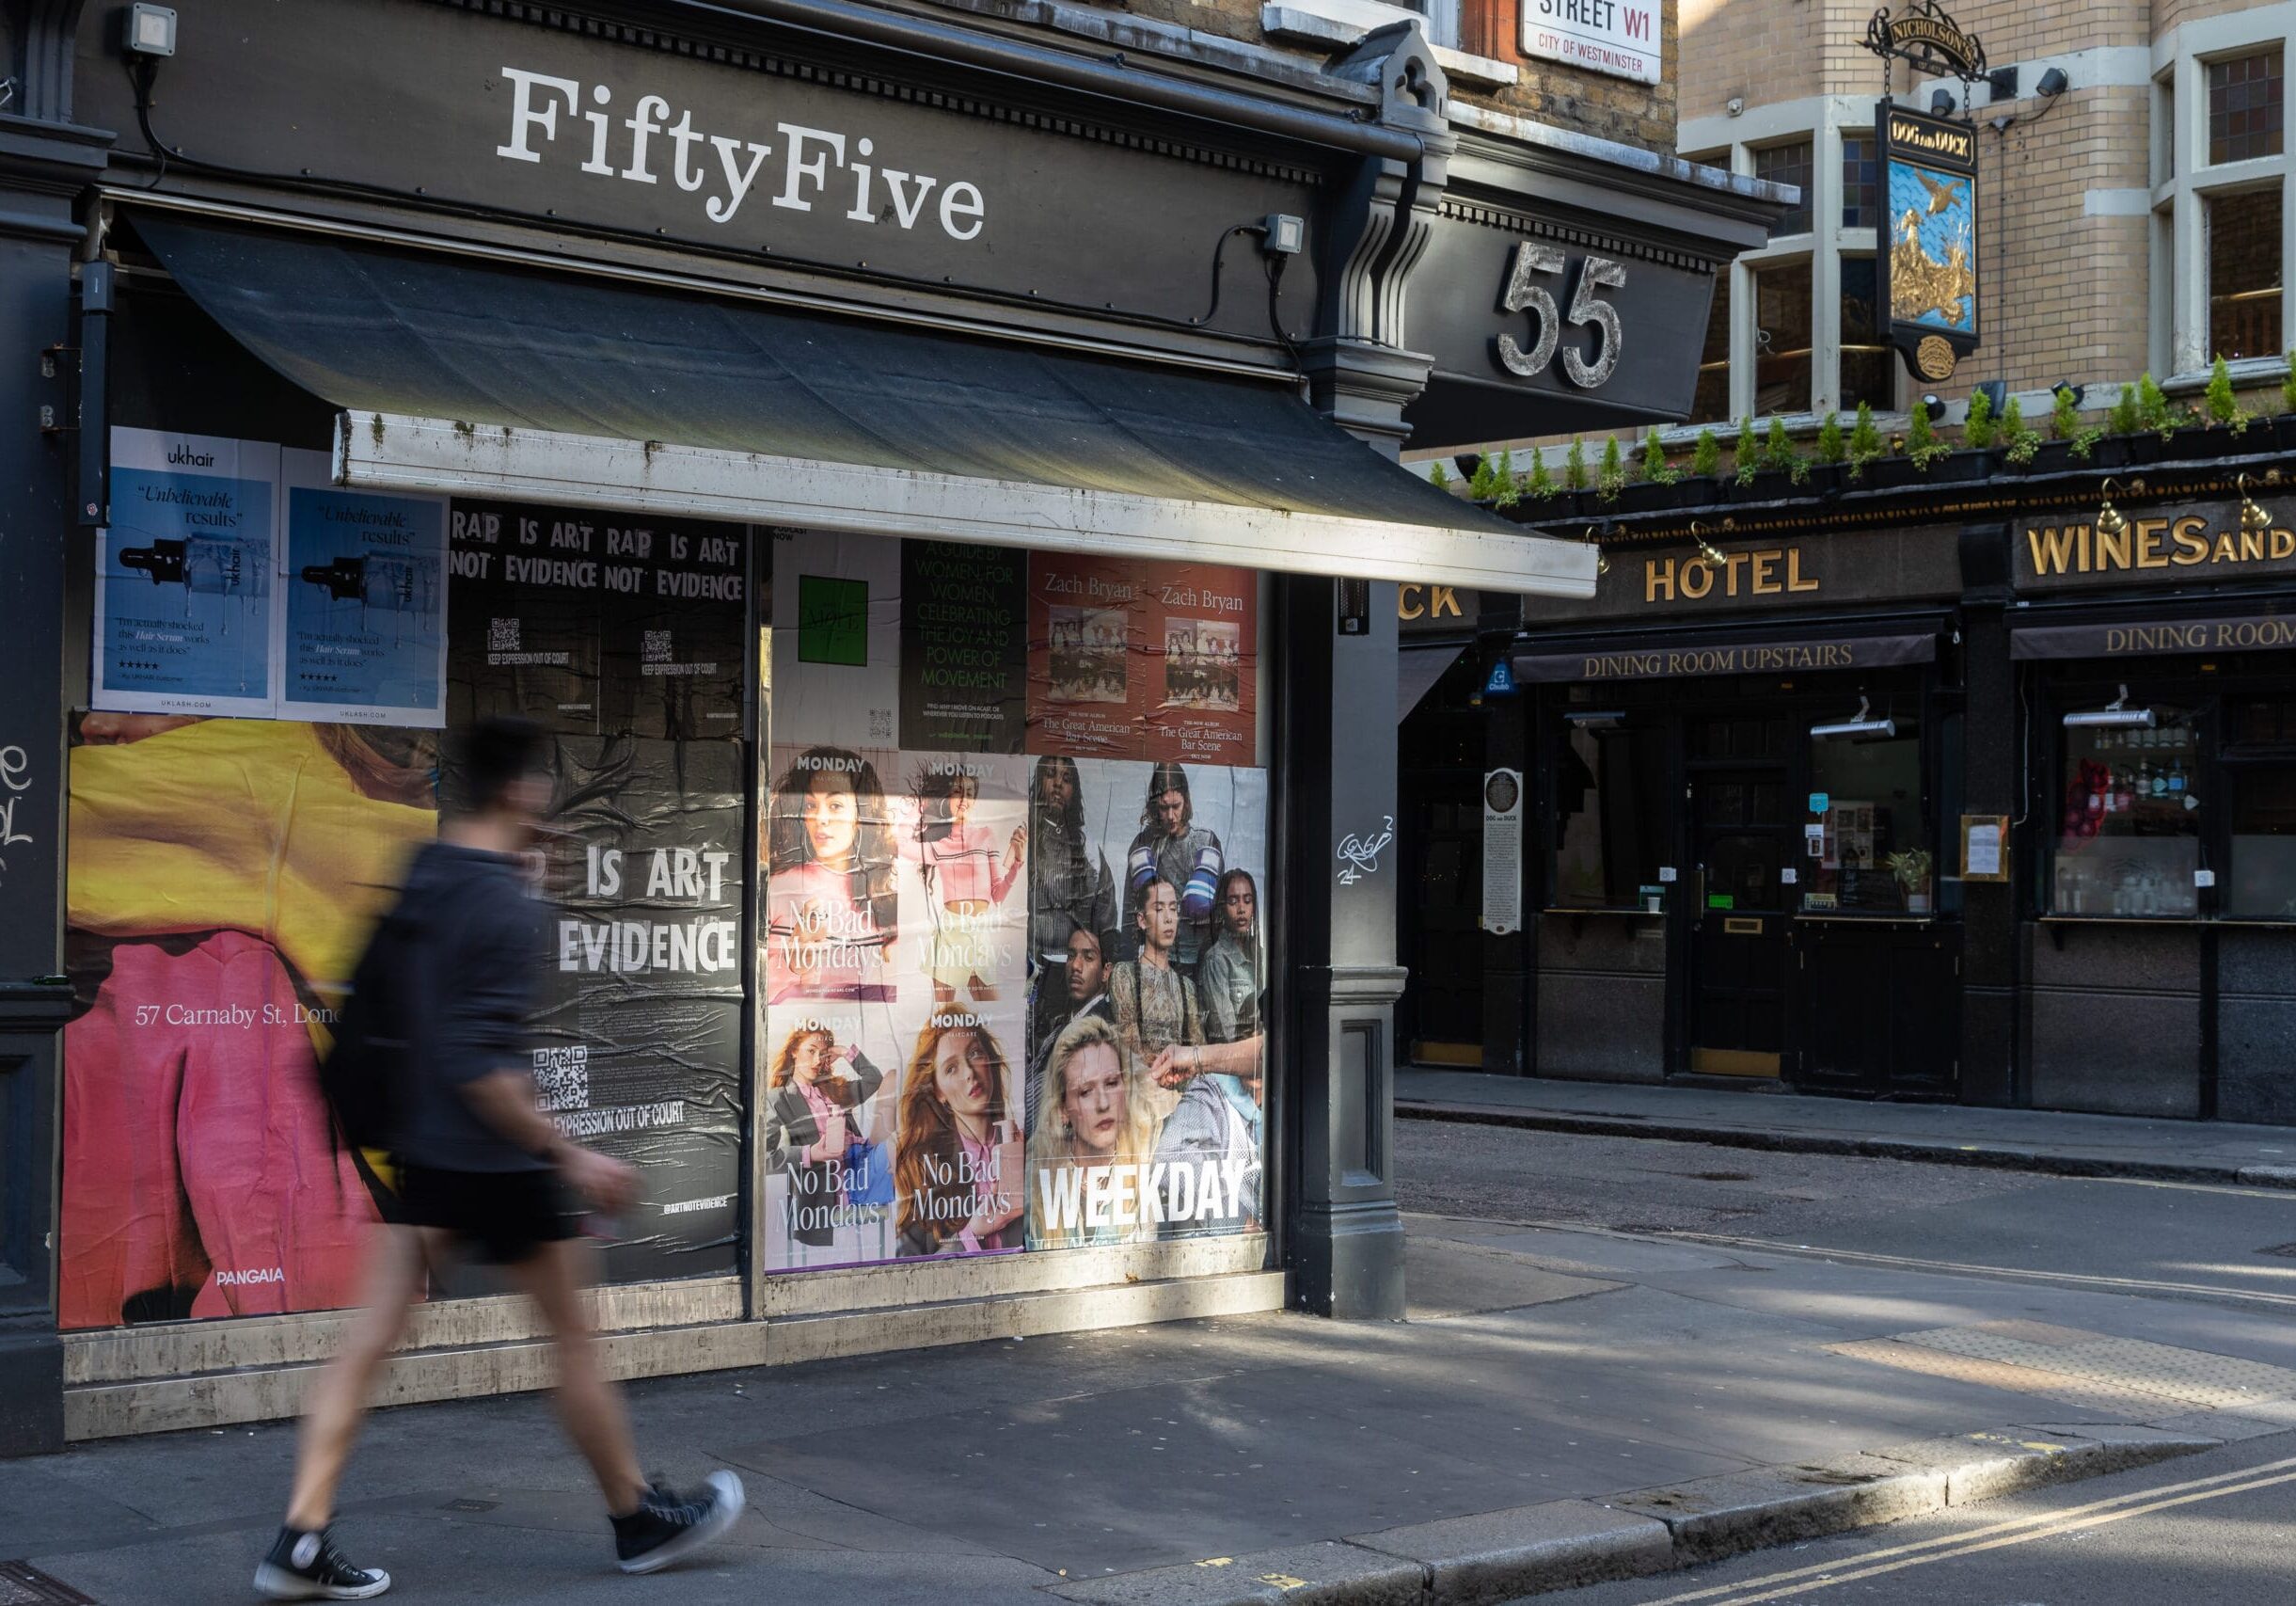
{"points": [[1861, 181], [1874, 847], [2129, 838], [2263, 868], [1781, 339], [2244, 274], [1866, 371], [1612, 807], [1788, 165], [1712, 402], [2244, 107]]}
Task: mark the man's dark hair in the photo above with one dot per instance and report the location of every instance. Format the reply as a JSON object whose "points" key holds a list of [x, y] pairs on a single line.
{"points": [[497, 754]]}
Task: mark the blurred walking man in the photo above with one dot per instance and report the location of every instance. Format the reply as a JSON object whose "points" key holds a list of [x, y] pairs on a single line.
{"points": [[481, 1168]]}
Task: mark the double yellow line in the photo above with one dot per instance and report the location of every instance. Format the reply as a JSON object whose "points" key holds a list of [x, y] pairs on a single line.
{"points": [[2018, 1531]]}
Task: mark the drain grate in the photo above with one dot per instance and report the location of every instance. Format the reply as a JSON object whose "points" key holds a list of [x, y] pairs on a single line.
{"points": [[23, 1584], [471, 1504]]}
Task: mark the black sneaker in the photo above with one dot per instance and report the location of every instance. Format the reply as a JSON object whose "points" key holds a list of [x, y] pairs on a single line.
{"points": [[306, 1565], [668, 1526]]}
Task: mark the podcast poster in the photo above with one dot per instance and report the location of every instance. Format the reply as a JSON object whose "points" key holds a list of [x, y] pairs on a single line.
{"points": [[1131, 659]]}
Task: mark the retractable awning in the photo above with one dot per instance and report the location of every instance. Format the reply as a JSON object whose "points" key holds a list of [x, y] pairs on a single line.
{"points": [[470, 378]]}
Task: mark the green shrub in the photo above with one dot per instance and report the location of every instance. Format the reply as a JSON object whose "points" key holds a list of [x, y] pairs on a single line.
{"points": [[1610, 478], [2064, 416], [1923, 447], [2224, 406], [1706, 456], [2123, 419], [2152, 410], [2288, 386], [1510, 489], [1655, 469], [1779, 457], [1832, 448], [2023, 443], [1575, 467], [1979, 428], [1865, 443], [1436, 477], [1541, 486], [1482, 485], [1746, 457]]}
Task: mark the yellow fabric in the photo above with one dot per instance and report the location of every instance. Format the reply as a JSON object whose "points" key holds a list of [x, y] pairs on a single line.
{"points": [[244, 825]]}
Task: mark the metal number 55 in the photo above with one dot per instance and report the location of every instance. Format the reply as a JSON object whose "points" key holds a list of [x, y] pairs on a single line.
{"points": [[1524, 295]]}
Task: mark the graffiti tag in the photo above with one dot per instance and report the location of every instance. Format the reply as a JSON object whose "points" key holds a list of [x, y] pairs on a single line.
{"points": [[1361, 851]]}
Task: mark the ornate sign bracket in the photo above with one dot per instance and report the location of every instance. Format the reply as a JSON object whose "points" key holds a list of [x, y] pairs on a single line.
{"points": [[1925, 39]]}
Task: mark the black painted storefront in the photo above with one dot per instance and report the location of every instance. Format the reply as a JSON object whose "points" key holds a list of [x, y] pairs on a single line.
{"points": [[1945, 611]]}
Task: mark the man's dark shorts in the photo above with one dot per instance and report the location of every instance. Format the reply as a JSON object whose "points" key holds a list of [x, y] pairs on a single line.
{"points": [[507, 1217]]}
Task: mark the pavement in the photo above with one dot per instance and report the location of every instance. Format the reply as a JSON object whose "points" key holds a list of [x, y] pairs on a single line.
{"points": [[1565, 1404], [2058, 1143]]}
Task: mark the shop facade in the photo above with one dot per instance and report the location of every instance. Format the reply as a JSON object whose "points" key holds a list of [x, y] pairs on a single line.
{"points": [[945, 533], [1968, 792]]}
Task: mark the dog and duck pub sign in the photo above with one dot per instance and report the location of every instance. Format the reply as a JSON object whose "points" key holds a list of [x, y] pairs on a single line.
{"points": [[1929, 241]]}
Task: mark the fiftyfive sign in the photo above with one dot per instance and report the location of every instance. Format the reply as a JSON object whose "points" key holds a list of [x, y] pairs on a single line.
{"points": [[817, 166]]}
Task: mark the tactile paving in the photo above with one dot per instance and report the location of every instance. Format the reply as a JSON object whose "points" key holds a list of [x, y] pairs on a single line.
{"points": [[2091, 1370]]}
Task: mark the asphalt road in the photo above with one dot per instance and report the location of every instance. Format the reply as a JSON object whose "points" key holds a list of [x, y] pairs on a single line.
{"points": [[2212, 1530], [2219, 1245]]}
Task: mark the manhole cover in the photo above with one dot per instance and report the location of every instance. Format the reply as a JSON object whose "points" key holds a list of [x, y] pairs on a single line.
{"points": [[473, 1504], [23, 1584], [2288, 1249]]}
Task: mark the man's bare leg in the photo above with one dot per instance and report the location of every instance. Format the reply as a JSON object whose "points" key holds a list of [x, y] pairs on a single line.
{"points": [[591, 1405], [338, 1397]]}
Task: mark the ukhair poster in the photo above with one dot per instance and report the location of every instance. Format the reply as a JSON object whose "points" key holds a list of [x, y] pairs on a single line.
{"points": [[1148, 1041], [185, 575], [836, 639], [1135, 659], [362, 603]]}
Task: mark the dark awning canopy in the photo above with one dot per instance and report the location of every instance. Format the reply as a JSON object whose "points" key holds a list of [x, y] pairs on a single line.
{"points": [[2151, 637], [467, 376], [1727, 658]]}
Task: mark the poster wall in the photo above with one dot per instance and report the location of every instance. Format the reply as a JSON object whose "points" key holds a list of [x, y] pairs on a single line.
{"points": [[1005, 1003]]}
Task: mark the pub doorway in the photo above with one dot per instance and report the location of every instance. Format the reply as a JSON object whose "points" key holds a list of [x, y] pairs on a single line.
{"points": [[1741, 853]]}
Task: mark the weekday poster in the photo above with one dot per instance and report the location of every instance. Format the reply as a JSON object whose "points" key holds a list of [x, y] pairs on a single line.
{"points": [[362, 605], [184, 577]]}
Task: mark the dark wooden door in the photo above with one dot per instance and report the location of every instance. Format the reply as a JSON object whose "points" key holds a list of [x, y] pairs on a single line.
{"points": [[1740, 840], [1440, 1017]]}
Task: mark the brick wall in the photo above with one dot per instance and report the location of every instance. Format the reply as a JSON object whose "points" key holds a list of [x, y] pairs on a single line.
{"points": [[1758, 51]]}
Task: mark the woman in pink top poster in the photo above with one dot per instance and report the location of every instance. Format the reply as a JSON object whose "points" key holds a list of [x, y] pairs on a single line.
{"points": [[965, 879], [833, 904], [957, 1162]]}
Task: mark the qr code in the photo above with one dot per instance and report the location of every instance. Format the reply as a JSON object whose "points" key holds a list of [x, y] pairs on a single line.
{"points": [[881, 724], [561, 1079], [501, 635], [657, 649]]}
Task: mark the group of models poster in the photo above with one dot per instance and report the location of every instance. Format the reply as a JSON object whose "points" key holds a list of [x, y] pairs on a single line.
{"points": [[1008, 962], [1012, 979]]}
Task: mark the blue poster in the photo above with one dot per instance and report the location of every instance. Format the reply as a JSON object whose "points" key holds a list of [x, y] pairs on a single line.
{"points": [[184, 577], [364, 633]]}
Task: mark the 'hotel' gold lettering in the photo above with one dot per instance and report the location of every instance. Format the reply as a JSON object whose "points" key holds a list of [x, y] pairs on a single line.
{"points": [[1755, 573]]}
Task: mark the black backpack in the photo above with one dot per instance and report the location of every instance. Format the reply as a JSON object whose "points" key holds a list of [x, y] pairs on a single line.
{"points": [[365, 1072]]}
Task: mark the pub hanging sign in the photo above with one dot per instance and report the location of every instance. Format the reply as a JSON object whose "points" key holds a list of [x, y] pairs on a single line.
{"points": [[1929, 248], [1923, 36]]}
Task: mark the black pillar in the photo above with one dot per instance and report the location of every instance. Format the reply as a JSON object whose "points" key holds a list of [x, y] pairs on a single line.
{"points": [[1337, 803], [1992, 782], [45, 165]]}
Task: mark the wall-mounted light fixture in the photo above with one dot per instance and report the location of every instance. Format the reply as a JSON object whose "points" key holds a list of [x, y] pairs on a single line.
{"points": [[1940, 103], [2116, 715], [2065, 388], [2110, 523], [1602, 564], [2253, 517], [1706, 549], [1996, 395], [1594, 719], [1934, 407], [149, 30], [1857, 725]]}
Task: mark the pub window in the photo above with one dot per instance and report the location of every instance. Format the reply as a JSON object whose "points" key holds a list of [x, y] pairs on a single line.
{"points": [[1611, 809], [2244, 107], [1712, 402], [2244, 273], [1783, 334], [1867, 373], [1868, 851], [2259, 771], [2129, 819], [1788, 165], [1861, 181]]}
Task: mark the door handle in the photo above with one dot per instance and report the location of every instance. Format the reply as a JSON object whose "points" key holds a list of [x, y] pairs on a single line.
{"points": [[1698, 897]]}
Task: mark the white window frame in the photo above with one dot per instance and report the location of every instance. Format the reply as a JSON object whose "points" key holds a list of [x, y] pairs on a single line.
{"points": [[2183, 182], [1731, 141]]}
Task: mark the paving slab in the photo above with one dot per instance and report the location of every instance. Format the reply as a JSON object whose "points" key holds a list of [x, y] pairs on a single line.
{"points": [[1498, 1555], [1711, 1517], [1324, 1574]]}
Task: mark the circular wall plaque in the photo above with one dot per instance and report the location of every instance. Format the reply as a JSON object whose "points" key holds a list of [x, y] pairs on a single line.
{"points": [[1935, 358]]}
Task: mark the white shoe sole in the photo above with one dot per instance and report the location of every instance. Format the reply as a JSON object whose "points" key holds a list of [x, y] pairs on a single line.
{"points": [[277, 1583], [730, 1500]]}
